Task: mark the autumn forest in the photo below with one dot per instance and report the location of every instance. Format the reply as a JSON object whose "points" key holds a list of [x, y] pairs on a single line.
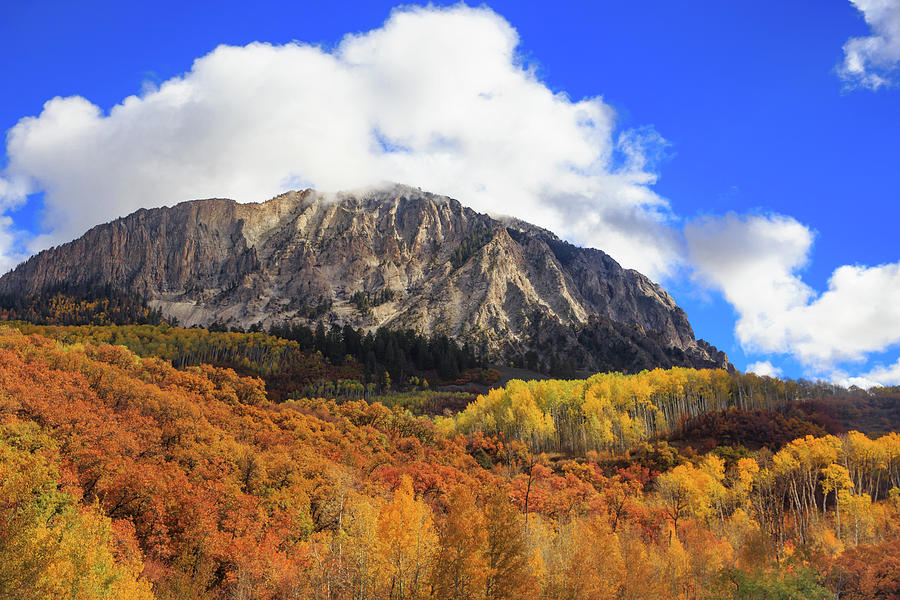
{"points": [[150, 461]]}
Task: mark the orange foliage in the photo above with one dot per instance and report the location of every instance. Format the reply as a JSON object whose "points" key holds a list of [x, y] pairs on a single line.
{"points": [[192, 480]]}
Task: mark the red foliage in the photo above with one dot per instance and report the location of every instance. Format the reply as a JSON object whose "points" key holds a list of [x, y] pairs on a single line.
{"points": [[867, 572]]}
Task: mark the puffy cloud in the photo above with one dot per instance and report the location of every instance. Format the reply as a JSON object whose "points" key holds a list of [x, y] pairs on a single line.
{"points": [[879, 376], [737, 253], [764, 368], [871, 61], [755, 261], [886, 375], [436, 98]]}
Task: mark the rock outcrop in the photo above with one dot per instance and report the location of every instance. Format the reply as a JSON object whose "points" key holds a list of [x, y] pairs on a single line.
{"points": [[395, 257]]}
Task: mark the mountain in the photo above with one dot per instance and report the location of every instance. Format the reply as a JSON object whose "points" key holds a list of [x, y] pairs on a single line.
{"points": [[396, 257]]}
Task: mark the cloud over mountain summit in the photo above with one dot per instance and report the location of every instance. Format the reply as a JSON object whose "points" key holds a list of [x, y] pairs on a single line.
{"points": [[436, 98]]}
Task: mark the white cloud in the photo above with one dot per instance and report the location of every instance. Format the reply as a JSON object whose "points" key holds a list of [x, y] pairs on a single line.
{"points": [[872, 61], [886, 376], [879, 376], [755, 261], [436, 98], [764, 368], [9, 254]]}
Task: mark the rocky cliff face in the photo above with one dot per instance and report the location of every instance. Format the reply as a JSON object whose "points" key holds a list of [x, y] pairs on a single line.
{"points": [[397, 257]]}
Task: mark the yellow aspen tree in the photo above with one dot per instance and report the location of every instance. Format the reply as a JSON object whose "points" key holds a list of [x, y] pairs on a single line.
{"points": [[509, 574], [685, 491], [406, 543], [714, 489], [859, 514], [460, 569], [584, 562], [361, 528], [835, 478]]}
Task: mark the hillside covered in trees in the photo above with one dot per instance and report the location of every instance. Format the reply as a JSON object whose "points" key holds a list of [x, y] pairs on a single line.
{"points": [[125, 476], [295, 360], [612, 411]]}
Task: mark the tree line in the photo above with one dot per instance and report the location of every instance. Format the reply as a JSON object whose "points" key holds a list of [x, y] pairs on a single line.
{"points": [[613, 411], [401, 352], [291, 357], [80, 305]]}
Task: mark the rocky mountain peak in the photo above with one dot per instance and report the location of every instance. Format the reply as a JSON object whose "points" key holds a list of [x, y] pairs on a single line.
{"points": [[389, 256]]}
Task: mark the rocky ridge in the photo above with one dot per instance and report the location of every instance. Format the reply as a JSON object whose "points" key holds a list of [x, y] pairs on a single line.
{"points": [[396, 257]]}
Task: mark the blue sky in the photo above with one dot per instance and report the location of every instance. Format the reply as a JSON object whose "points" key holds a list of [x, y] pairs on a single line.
{"points": [[763, 157]]}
